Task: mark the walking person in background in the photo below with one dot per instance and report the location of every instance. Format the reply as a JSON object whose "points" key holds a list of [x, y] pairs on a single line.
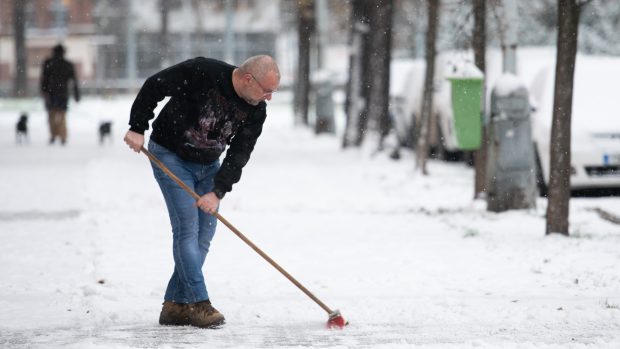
{"points": [[55, 78], [213, 105]]}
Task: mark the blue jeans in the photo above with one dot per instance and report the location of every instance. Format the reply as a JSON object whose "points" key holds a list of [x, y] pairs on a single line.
{"points": [[192, 229]]}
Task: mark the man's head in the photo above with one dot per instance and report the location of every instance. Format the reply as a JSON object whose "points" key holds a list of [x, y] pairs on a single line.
{"points": [[257, 79], [58, 50]]}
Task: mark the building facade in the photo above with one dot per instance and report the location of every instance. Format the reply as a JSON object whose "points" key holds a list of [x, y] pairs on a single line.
{"points": [[116, 44]]}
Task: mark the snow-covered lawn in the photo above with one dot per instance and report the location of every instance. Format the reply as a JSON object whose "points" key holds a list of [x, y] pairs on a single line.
{"points": [[411, 261]]}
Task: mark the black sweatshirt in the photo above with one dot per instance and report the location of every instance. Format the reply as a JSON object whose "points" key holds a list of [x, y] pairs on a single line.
{"points": [[55, 78], [203, 115]]}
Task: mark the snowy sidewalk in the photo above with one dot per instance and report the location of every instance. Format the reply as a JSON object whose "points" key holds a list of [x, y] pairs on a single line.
{"points": [[410, 261]]}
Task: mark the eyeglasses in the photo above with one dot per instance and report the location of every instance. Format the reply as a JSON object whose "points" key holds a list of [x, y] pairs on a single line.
{"points": [[265, 90]]}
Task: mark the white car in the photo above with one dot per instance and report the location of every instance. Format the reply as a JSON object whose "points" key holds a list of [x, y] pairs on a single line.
{"points": [[595, 126], [406, 93], [406, 88], [595, 146]]}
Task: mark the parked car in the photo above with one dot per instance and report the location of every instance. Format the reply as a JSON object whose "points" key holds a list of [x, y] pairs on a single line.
{"points": [[406, 89], [406, 93], [595, 124], [595, 146]]}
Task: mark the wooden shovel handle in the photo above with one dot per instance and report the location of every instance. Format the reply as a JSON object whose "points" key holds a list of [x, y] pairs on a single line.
{"points": [[237, 232]]}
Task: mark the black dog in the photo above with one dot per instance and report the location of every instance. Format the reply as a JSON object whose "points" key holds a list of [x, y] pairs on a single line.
{"points": [[105, 131], [21, 129]]}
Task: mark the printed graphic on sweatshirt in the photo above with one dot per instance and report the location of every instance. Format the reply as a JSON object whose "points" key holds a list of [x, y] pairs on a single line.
{"points": [[216, 125]]}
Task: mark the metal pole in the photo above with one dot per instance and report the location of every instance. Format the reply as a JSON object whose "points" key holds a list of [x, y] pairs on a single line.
{"points": [[509, 49], [322, 20], [59, 19], [131, 45], [229, 35], [186, 38]]}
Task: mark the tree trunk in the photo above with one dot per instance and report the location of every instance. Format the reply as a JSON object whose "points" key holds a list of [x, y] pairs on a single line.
{"points": [[366, 76], [305, 31], [355, 104], [350, 91], [479, 46], [427, 100], [379, 63], [20, 87], [559, 180]]}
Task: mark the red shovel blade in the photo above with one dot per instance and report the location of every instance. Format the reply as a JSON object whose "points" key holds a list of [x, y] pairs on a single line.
{"points": [[336, 320]]}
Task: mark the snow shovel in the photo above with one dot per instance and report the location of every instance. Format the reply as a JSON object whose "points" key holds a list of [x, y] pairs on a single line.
{"points": [[335, 319]]}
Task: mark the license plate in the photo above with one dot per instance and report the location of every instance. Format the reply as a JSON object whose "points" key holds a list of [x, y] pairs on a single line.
{"points": [[611, 159]]}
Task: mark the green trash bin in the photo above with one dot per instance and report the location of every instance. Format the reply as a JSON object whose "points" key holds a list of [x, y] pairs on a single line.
{"points": [[466, 109]]}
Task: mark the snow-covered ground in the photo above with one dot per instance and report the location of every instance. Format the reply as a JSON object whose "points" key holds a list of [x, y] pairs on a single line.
{"points": [[411, 261]]}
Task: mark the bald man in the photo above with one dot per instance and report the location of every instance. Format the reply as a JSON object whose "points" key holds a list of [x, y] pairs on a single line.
{"points": [[213, 106]]}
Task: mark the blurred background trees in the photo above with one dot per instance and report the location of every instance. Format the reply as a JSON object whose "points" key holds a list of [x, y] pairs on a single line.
{"points": [[347, 46], [100, 34]]}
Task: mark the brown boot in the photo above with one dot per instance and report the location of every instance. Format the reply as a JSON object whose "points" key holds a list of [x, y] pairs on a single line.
{"points": [[174, 314], [202, 314]]}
